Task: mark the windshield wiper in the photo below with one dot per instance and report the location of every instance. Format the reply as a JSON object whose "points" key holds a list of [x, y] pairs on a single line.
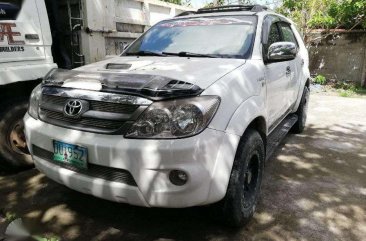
{"points": [[146, 53], [190, 54]]}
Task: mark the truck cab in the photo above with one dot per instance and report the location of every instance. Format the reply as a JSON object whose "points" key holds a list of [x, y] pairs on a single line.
{"points": [[25, 41], [25, 57]]}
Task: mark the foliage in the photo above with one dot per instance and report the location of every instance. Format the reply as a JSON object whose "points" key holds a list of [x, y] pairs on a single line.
{"points": [[321, 20], [326, 14], [179, 2], [216, 3], [187, 3], [9, 216], [345, 85], [349, 89], [346, 93], [349, 13], [320, 79], [47, 238]]}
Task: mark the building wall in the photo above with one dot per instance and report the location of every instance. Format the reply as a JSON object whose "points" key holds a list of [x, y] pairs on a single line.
{"points": [[340, 56], [114, 23]]}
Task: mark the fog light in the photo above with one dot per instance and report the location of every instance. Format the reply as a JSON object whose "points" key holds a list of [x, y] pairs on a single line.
{"points": [[178, 178]]}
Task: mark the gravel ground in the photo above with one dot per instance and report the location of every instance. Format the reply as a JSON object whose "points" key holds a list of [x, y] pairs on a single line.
{"points": [[314, 189]]}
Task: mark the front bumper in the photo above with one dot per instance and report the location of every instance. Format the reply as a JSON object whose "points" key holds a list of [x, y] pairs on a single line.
{"points": [[207, 158], [23, 71]]}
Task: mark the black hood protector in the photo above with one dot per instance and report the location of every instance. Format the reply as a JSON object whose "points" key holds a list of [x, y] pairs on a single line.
{"points": [[153, 87]]}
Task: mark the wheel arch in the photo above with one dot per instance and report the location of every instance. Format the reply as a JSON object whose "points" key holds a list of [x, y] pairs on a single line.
{"points": [[17, 90], [307, 83], [301, 91], [250, 114], [259, 124]]}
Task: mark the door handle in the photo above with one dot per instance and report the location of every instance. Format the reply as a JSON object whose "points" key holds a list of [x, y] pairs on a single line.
{"points": [[32, 36], [288, 71], [261, 80]]}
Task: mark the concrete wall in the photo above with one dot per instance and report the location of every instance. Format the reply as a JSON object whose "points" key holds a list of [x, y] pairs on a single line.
{"points": [[340, 56], [115, 23]]}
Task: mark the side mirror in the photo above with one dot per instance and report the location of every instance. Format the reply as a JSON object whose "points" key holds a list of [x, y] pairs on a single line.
{"points": [[282, 51]]}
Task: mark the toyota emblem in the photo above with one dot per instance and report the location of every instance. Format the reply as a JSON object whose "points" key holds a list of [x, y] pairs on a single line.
{"points": [[74, 108]]}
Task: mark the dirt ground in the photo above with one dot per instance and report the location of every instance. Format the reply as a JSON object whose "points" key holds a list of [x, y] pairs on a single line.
{"points": [[314, 189]]}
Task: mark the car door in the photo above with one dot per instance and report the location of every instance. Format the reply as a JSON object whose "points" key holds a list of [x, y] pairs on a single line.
{"points": [[20, 31], [277, 79], [295, 65]]}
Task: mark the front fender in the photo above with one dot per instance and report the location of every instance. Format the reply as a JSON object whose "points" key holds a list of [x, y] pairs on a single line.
{"points": [[250, 109], [247, 111]]}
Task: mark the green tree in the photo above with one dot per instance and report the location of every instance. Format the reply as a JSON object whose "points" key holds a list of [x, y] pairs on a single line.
{"points": [[306, 13], [187, 3], [349, 14], [325, 14], [215, 3], [179, 2], [245, 2]]}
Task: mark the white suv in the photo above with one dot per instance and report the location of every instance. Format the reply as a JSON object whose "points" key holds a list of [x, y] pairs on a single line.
{"points": [[186, 116]]}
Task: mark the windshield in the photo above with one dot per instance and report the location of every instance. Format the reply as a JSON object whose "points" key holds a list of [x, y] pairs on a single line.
{"points": [[221, 36]]}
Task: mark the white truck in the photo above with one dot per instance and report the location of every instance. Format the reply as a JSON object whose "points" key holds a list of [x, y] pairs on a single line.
{"points": [[39, 35], [186, 116]]}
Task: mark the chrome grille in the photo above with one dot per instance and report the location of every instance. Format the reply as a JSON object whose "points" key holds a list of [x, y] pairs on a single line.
{"points": [[91, 122], [106, 173], [94, 105], [106, 113]]}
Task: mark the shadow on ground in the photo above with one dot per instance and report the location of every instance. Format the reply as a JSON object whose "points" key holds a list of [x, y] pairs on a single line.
{"points": [[314, 189]]}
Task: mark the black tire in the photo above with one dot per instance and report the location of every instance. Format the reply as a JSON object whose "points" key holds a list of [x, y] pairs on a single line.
{"points": [[239, 204], [302, 112], [14, 154]]}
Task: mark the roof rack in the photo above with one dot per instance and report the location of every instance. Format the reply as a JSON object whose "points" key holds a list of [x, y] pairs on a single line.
{"points": [[227, 8], [232, 8], [185, 13]]}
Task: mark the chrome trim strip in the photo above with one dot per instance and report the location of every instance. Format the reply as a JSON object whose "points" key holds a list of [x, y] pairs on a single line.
{"points": [[106, 115], [90, 113], [53, 107], [97, 114], [96, 95]]}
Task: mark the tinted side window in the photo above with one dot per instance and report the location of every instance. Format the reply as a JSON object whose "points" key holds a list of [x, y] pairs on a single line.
{"points": [[9, 9], [288, 35], [274, 35]]}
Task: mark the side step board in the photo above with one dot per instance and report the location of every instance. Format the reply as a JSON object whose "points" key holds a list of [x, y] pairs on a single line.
{"points": [[277, 135]]}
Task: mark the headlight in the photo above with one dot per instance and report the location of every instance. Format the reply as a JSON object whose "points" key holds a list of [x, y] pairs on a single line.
{"points": [[34, 101], [175, 118]]}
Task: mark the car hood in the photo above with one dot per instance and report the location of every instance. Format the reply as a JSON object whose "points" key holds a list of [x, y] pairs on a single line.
{"points": [[197, 71]]}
